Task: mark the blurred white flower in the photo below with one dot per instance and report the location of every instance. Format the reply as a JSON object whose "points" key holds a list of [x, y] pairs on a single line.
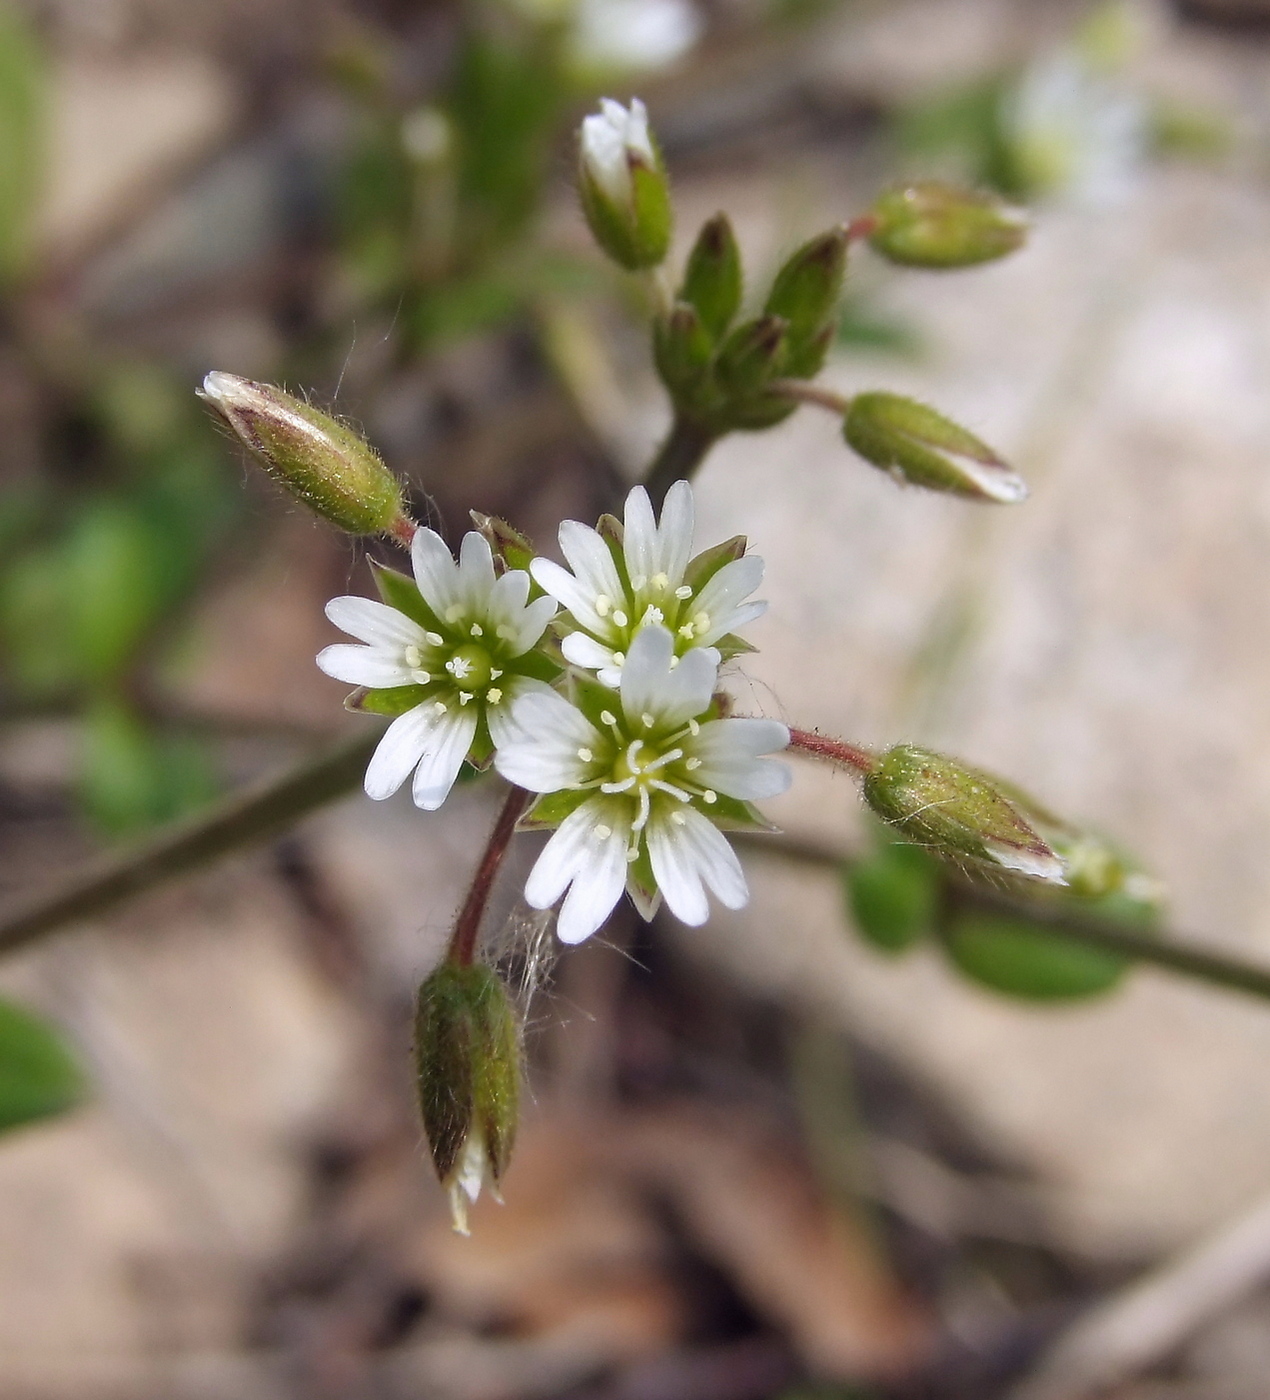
{"points": [[637, 782], [634, 34], [699, 600]]}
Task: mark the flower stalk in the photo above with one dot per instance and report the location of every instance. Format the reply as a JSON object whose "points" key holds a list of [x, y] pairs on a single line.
{"points": [[467, 926]]}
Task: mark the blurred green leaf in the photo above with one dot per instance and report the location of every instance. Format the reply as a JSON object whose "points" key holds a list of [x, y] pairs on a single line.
{"points": [[23, 105], [1023, 960], [39, 657], [893, 895], [132, 778], [39, 1077]]}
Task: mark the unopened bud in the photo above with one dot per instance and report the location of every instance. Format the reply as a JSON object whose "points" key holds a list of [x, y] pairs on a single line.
{"points": [[753, 354], [332, 469], [512, 549], [682, 348], [467, 1055], [958, 813], [623, 185], [932, 224], [805, 294], [916, 444], [712, 278]]}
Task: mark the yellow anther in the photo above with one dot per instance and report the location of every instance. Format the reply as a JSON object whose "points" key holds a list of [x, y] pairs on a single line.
{"points": [[620, 618], [494, 695], [586, 755], [603, 832], [710, 796], [692, 764], [477, 630], [647, 720], [435, 639], [683, 591], [414, 658], [454, 612], [687, 631], [660, 581], [607, 717], [602, 604]]}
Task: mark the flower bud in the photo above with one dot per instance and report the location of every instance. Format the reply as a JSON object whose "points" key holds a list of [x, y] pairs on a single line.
{"points": [[805, 295], [623, 185], [918, 445], [467, 1055], [712, 278], [752, 354], [958, 813], [328, 466], [681, 351], [932, 224]]}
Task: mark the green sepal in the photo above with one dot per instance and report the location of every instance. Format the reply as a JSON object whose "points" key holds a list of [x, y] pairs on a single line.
{"points": [[481, 753], [654, 214], [641, 884], [731, 645], [731, 814], [552, 808], [893, 895], [537, 664], [611, 530], [1021, 959], [712, 280], [444, 1049], [759, 411], [703, 567], [394, 701], [593, 699], [400, 591], [805, 359]]}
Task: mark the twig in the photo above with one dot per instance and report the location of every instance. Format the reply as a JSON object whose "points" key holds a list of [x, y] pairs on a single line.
{"points": [[236, 822], [1152, 1317], [468, 924], [1062, 921]]}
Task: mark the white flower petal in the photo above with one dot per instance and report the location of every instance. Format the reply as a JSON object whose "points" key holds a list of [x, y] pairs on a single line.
{"points": [[735, 620], [686, 854], [675, 535], [596, 887], [532, 623], [447, 745], [399, 750], [723, 593], [436, 573], [374, 622], [610, 676], [639, 535], [539, 747], [592, 561], [729, 751], [508, 597], [503, 728], [368, 666], [566, 589], [644, 676], [476, 572], [586, 652]]}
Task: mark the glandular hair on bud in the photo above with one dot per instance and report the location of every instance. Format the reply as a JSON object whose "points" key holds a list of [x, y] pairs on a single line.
{"points": [[917, 444], [959, 813], [319, 460], [938, 225], [467, 1058]]}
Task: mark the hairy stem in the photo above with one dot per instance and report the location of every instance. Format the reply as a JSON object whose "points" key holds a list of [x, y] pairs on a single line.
{"points": [[833, 750], [402, 531], [1178, 954], [468, 924], [678, 458], [801, 391], [260, 811]]}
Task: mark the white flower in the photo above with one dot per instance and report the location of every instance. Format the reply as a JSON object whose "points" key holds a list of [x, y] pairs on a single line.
{"points": [[639, 780], [634, 33], [613, 595], [609, 137], [455, 657]]}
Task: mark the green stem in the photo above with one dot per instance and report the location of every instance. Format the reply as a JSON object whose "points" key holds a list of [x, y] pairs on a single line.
{"points": [[678, 458], [240, 819], [1074, 926]]}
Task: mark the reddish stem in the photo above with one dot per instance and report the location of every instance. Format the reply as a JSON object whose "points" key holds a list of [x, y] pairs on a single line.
{"points": [[835, 750], [863, 227], [403, 531], [468, 924]]}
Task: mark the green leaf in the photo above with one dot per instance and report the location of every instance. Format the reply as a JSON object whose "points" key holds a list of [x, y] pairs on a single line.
{"points": [[39, 1076], [552, 808], [1024, 960], [893, 896]]}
